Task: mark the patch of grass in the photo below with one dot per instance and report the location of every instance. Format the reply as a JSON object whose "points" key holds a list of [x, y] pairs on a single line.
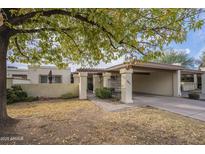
{"points": [[82, 122]]}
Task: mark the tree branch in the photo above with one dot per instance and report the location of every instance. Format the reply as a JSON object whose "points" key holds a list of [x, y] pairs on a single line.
{"points": [[15, 31], [19, 49], [24, 18], [111, 42], [73, 42]]}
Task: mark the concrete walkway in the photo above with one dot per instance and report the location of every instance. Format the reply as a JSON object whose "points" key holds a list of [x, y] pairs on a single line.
{"points": [[109, 105], [187, 107]]}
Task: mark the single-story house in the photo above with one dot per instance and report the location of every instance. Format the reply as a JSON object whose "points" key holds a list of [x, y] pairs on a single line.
{"points": [[37, 75], [140, 77]]}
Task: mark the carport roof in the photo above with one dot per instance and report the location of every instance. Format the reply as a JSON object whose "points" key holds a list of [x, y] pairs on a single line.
{"points": [[146, 65], [189, 71], [139, 64]]}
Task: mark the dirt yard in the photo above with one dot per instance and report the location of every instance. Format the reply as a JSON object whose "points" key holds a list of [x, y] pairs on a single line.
{"points": [[82, 122]]}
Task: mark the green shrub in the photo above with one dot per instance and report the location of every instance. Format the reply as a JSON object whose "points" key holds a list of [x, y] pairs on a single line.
{"points": [[11, 96], [16, 88], [16, 94], [68, 96], [21, 95], [111, 89], [103, 93], [194, 96]]}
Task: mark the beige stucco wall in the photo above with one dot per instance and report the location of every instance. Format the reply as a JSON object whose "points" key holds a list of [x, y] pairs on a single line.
{"points": [[35, 72], [13, 81], [159, 82], [11, 71], [9, 82], [176, 83], [97, 82], [187, 86], [50, 90], [21, 81]]}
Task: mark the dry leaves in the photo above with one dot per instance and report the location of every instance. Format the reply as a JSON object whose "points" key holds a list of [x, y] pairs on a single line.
{"points": [[82, 122]]}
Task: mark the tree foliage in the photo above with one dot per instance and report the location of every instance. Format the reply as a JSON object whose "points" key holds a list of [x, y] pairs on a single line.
{"points": [[202, 59], [181, 57], [88, 36]]}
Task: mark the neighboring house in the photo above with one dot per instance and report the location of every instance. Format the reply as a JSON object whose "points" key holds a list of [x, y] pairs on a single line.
{"points": [[35, 81], [36, 75], [140, 77]]}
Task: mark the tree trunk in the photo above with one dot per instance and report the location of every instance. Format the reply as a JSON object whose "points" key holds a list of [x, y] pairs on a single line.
{"points": [[4, 41]]}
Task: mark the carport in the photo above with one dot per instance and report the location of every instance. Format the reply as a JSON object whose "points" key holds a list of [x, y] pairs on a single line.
{"points": [[138, 77], [156, 81]]}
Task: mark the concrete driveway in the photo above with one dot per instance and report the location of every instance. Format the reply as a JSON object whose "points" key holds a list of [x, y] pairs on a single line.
{"points": [[190, 108]]}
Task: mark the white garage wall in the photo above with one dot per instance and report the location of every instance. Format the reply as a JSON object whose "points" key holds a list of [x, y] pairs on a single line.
{"points": [[156, 83]]}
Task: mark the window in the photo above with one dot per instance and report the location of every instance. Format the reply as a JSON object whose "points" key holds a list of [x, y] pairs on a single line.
{"points": [[114, 77], [55, 79], [187, 78], [43, 79]]}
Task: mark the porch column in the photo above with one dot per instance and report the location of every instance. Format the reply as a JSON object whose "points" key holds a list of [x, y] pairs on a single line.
{"points": [[195, 81], [126, 85], [203, 83], [177, 83], [76, 78], [83, 85], [96, 82], [106, 79]]}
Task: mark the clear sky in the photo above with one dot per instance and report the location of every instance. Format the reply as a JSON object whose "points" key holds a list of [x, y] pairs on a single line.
{"points": [[194, 45]]}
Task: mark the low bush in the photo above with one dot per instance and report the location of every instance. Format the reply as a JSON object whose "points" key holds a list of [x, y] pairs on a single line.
{"points": [[21, 95], [11, 96], [16, 88], [103, 93], [68, 96], [194, 96], [16, 94]]}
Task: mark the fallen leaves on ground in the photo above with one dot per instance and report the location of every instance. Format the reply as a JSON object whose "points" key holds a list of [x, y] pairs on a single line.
{"points": [[82, 122]]}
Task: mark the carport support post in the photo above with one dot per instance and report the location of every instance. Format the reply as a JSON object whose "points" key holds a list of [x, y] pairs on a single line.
{"points": [[203, 83], [76, 78], [106, 79], [126, 85], [177, 83], [83, 85], [195, 81], [96, 82]]}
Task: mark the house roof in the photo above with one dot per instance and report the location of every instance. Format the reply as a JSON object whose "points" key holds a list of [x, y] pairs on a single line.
{"points": [[139, 64], [190, 71], [45, 67], [147, 65], [92, 70]]}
